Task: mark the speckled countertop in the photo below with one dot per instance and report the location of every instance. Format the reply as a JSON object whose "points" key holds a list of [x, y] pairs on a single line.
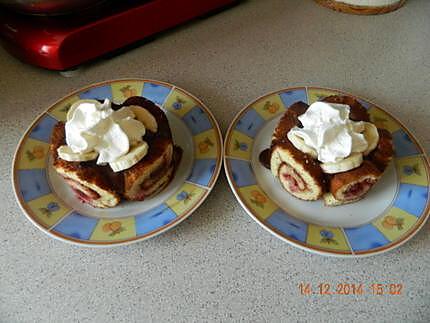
{"points": [[219, 265]]}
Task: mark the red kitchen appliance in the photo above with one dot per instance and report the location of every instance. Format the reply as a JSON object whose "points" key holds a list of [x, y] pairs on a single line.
{"points": [[63, 42]]}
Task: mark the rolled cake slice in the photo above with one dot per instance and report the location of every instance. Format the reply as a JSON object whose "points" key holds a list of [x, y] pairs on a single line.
{"points": [[139, 178], [158, 180], [91, 183], [298, 173], [354, 184], [155, 170], [363, 178]]}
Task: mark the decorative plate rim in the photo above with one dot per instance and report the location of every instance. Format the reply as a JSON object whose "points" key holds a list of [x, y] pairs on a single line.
{"points": [[303, 245], [109, 244]]}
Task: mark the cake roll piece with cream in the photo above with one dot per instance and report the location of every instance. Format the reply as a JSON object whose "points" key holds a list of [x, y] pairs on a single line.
{"points": [[297, 171], [329, 149], [352, 186], [89, 181], [107, 152]]}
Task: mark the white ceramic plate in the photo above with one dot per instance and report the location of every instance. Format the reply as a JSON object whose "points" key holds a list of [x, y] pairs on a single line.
{"points": [[51, 205], [393, 211]]}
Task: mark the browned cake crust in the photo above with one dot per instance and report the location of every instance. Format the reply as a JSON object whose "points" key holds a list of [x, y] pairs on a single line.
{"points": [[288, 121], [357, 112], [298, 108], [384, 151]]}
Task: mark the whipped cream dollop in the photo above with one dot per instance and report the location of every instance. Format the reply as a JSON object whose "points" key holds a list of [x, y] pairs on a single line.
{"points": [[94, 126], [328, 130]]}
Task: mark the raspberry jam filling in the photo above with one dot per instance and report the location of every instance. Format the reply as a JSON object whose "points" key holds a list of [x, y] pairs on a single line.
{"points": [[294, 181], [85, 194], [358, 189], [82, 196], [141, 195]]}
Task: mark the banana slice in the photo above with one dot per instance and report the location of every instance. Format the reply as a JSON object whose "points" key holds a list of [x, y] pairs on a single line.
{"points": [[134, 155], [145, 117], [78, 103], [352, 161], [358, 126], [66, 153], [123, 113], [372, 137], [299, 143]]}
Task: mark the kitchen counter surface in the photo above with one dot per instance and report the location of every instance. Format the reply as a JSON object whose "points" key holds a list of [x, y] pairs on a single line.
{"points": [[219, 265]]}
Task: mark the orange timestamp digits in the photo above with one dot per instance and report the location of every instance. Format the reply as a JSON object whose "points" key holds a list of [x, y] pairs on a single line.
{"points": [[350, 289], [387, 289]]}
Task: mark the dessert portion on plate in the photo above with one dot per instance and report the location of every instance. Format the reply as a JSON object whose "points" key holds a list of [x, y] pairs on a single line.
{"points": [[328, 150], [108, 152]]}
